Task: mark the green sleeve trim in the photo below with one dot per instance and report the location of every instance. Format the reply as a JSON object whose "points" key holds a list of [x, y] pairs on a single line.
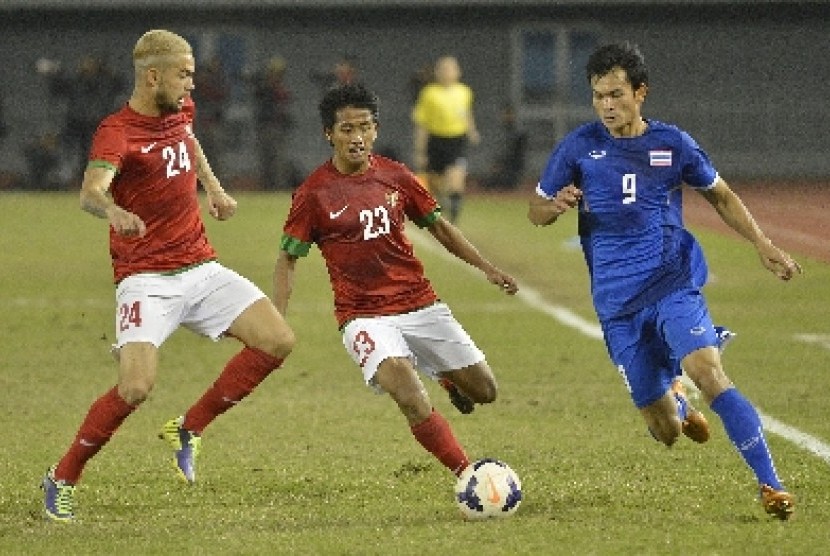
{"points": [[429, 219], [102, 164], [294, 246]]}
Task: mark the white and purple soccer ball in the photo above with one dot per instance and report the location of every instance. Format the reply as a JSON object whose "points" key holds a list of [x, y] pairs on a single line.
{"points": [[488, 488]]}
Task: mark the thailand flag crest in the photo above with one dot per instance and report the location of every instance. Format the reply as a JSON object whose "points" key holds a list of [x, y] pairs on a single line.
{"points": [[659, 158]]}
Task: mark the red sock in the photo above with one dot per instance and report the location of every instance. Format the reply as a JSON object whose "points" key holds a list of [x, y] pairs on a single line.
{"points": [[436, 436], [101, 422], [242, 374]]}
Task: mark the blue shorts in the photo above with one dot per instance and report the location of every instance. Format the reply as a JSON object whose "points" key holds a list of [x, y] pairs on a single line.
{"points": [[647, 346]]}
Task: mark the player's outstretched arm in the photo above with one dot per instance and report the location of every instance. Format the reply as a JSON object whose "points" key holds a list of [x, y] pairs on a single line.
{"points": [[735, 214], [454, 241], [543, 212], [221, 206], [96, 201], [283, 280]]}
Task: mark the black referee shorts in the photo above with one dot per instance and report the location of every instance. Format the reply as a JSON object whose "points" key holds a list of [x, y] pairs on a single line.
{"points": [[443, 152]]}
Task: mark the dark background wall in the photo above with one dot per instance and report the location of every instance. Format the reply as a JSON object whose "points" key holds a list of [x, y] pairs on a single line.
{"points": [[747, 79]]}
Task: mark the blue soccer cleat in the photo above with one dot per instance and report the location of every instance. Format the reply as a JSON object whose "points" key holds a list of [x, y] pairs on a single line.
{"points": [[186, 445], [58, 497]]}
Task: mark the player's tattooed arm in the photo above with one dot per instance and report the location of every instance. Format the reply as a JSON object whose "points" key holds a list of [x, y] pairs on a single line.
{"points": [[96, 201]]}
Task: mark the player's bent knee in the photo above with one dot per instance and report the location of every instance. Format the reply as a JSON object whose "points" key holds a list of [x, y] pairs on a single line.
{"points": [[283, 343], [491, 396], [670, 437], [668, 434], [135, 393], [711, 380], [669, 441], [277, 344], [664, 428], [480, 384], [485, 392], [261, 327]]}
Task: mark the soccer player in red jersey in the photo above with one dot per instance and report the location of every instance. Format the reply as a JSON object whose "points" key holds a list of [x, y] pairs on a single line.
{"points": [[141, 177], [354, 207]]}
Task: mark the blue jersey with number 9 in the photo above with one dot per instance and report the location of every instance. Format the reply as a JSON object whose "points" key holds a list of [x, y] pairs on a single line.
{"points": [[630, 216]]}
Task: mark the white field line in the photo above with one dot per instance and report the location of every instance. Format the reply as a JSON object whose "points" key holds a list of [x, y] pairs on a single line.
{"points": [[570, 319], [821, 339]]}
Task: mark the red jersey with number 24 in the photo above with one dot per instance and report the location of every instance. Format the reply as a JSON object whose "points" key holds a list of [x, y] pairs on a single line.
{"points": [[357, 221], [155, 163]]}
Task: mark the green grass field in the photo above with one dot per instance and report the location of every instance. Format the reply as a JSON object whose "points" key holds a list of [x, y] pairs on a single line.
{"points": [[315, 463]]}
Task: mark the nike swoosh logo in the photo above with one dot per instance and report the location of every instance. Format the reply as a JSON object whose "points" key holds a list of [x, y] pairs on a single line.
{"points": [[334, 215], [85, 442], [493, 492], [148, 148]]}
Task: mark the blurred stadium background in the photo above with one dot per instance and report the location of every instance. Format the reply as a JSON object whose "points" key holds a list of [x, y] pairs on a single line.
{"points": [[746, 78]]}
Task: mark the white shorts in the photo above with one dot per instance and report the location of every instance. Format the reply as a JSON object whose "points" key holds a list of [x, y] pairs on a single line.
{"points": [[205, 299], [430, 337]]}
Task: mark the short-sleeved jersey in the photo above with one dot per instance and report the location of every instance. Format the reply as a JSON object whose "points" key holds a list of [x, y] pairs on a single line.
{"points": [[358, 221], [155, 164], [630, 215], [444, 110]]}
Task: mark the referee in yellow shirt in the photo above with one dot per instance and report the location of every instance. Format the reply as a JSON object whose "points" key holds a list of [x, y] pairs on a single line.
{"points": [[444, 125]]}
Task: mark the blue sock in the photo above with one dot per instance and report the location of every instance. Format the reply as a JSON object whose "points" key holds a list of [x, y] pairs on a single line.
{"points": [[743, 426]]}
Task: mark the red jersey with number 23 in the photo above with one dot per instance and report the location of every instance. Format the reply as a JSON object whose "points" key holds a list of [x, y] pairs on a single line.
{"points": [[155, 163], [357, 221]]}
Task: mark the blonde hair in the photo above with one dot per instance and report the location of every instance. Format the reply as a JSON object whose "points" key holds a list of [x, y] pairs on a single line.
{"points": [[157, 44]]}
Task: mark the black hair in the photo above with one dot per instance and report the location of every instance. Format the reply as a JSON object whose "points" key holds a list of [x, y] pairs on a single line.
{"points": [[342, 96], [624, 55]]}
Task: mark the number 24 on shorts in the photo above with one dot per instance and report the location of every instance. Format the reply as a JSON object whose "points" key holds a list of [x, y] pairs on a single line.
{"points": [[129, 315]]}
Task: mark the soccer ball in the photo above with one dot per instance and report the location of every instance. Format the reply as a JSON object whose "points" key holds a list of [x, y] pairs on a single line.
{"points": [[488, 488]]}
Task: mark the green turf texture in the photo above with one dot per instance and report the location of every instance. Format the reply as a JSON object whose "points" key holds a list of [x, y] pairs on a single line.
{"points": [[315, 463]]}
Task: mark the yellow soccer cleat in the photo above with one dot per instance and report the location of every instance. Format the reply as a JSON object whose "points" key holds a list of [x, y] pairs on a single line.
{"points": [[186, 445]]}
